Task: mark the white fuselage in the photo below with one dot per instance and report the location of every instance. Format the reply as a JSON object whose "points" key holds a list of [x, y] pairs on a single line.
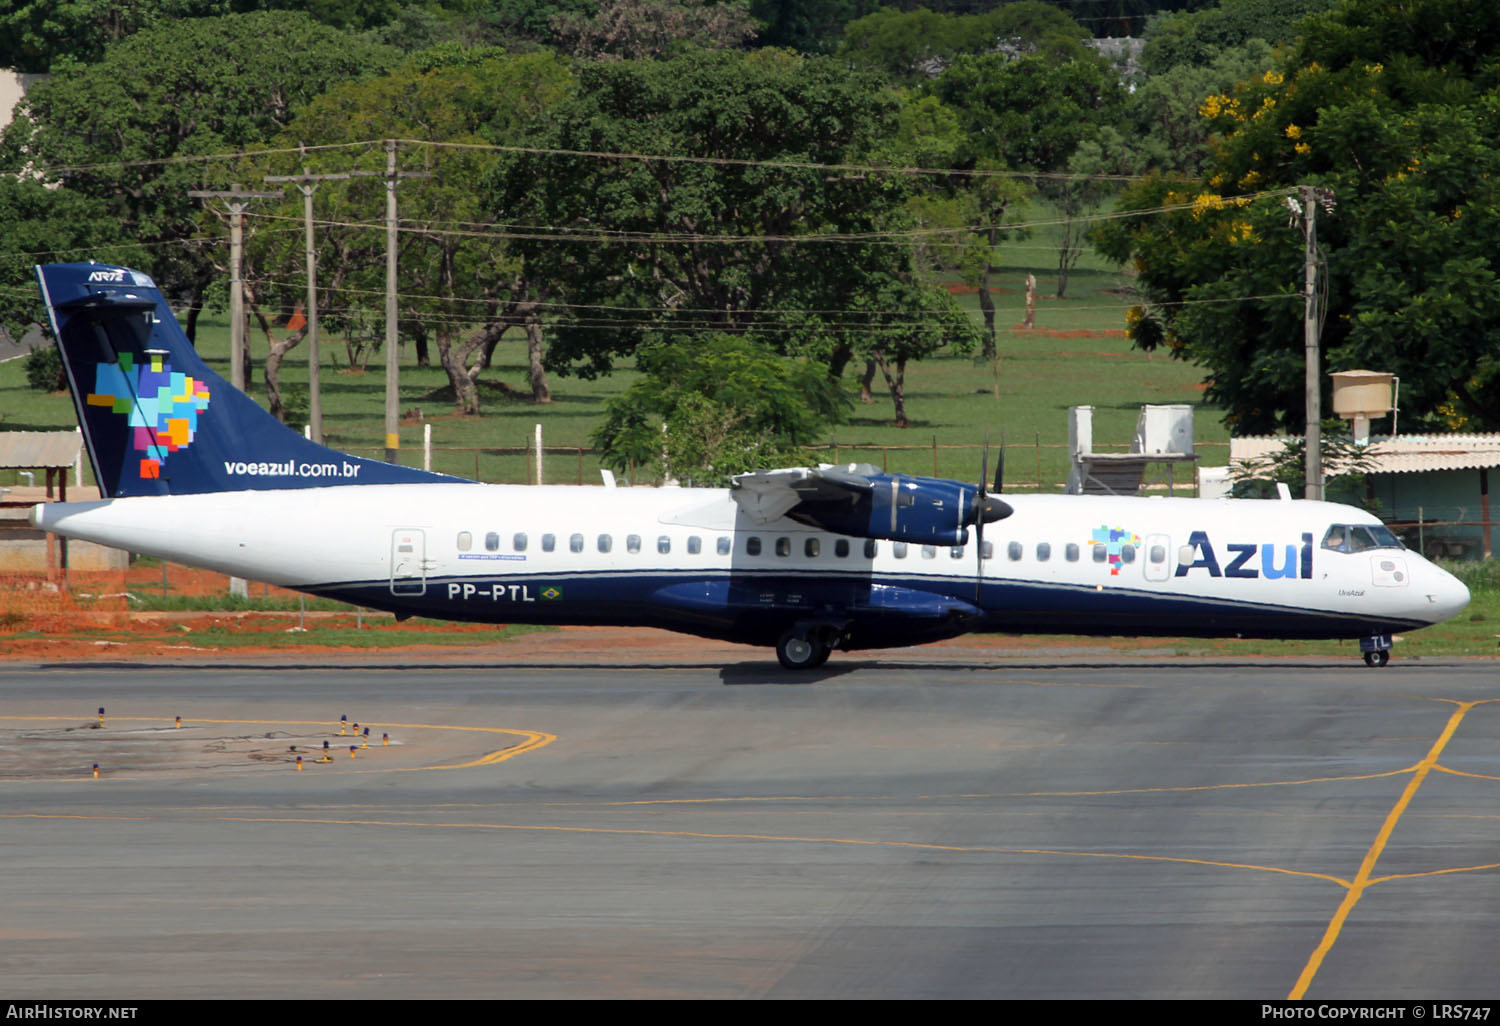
{"points": [[690, 559]]}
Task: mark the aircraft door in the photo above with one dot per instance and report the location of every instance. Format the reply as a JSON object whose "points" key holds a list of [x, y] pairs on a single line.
{"points": [[408, 561], [1158, 564]]}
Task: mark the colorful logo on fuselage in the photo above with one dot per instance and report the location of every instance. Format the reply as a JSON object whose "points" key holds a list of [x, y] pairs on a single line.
{"points": [[1115, 540], [161, 406]]}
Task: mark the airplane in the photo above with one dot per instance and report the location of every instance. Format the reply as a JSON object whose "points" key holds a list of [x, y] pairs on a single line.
{"points": [[809, 560]]}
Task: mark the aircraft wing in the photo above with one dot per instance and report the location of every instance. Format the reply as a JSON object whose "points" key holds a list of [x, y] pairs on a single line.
{"points": [[768, 495]]}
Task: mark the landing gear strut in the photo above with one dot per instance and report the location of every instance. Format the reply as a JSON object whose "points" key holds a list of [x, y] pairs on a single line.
{"points": [[1377, 649]]}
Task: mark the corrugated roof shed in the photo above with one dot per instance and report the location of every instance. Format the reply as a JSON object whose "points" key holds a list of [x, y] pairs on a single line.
{"points": [[1403, 454], [27, 450]]}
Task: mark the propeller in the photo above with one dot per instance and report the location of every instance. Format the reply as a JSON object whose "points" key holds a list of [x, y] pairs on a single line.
{"points": [[987, 508]]}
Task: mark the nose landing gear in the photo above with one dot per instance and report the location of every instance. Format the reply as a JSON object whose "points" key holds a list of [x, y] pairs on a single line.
{"points": [[1376, 649]]}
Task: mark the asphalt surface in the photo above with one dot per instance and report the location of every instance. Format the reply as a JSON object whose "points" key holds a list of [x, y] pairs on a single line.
{"points": [[882, 828]]}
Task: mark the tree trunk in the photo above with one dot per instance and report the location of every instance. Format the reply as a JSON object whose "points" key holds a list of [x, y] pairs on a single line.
{"points": [[419, 340], [539, 391], [987, 301], [465, 391], [866, 380], [275, 402], [195, 307], [896, 383], [987, 307]]}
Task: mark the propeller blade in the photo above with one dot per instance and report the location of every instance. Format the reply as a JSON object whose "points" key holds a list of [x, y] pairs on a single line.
{"points": [[981, 511]]}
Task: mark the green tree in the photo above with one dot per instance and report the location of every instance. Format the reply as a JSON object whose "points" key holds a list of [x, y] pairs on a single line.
{"points": [[36, 34], [652, 28], [1033, 113], [152, 120], [39, 225], [1394, 110], [710, 406], [1198, 38], [805, 256], [913, 45], [465, 285]]}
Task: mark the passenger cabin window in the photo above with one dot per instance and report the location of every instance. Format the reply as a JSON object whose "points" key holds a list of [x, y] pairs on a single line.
{"points": [[606, 542], [783, 546], [1013, 551], [841, 548], [632, 543], [695, 545], [575, 543], [898, 549], [1101, 553], [1158, 554], [465, 541], [519, 541], [929, 551], [1071, 553], [1043, 551], [723, 545], [663, 545], [549, 542], [872, 548], [987, 550], [492, 542], [811, 548], [956, 551], [752, 546], [1127, 553]]}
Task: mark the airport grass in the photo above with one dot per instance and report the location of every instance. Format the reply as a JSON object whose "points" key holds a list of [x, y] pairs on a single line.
{"points": [[274, 632]]}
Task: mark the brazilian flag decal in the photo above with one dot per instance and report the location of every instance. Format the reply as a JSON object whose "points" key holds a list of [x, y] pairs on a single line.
{"points": [[551, 593]]}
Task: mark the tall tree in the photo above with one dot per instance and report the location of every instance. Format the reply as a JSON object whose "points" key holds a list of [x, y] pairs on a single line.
{"points": [[762, 225], [35, 35], [154, 118], [1033, 113], [1392, 108], [465, 285]]}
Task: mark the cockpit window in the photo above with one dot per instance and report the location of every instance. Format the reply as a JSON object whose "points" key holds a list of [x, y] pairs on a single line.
{"points": [[1360, 538]]}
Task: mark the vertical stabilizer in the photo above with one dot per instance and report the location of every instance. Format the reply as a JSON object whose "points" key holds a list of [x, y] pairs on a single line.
{"points": [[155, 419]]}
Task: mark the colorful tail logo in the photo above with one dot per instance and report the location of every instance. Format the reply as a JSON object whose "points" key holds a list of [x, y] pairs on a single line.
{"points": [[162, 406]]}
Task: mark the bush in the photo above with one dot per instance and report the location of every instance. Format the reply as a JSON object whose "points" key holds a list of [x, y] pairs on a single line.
{"points": [[44, 370]]}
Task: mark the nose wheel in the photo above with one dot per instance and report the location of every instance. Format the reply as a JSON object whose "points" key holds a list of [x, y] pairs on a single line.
{"points": [[1377, 650]]}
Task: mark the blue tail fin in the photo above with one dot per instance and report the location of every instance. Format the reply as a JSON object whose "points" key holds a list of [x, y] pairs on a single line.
{"points": [[155, 419]]}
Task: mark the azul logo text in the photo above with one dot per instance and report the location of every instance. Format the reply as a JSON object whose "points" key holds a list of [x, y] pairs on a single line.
{"points": [[1274, 560]]}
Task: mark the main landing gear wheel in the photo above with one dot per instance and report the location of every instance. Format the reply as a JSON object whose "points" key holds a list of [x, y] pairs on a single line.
{"points": [[1377, 658], [801, 653]]}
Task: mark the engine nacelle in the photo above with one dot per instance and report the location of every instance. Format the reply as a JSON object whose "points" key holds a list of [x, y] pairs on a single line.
{"points": [[919, 510]]}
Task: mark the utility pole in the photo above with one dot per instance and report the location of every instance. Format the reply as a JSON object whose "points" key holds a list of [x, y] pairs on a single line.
{"points": [[307, 184], [392, 373], [235, 201], [1307, 212]]}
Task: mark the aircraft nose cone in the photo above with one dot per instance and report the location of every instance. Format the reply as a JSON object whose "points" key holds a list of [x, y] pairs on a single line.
{"points": [[1446, 594]]}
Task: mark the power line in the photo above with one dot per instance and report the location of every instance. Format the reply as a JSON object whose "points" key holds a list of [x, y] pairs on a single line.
{"points": [[680, 158]]}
